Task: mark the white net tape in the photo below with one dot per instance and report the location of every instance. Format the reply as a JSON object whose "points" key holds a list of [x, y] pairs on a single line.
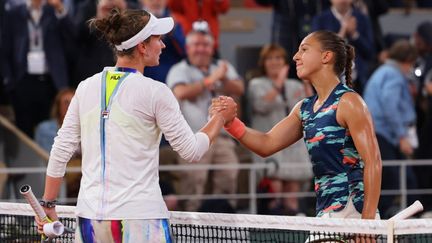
{"points": [[379, 227]]}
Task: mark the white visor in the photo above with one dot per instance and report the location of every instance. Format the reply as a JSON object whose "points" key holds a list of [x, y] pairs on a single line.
{"points": [[155, 26]]}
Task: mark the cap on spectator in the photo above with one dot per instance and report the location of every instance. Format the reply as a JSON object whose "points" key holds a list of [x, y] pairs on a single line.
{"points": [[424, 30], [201, 26], [155, 26]]}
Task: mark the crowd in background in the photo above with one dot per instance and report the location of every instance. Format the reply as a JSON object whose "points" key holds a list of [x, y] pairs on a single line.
{"points": [[47, 49]]}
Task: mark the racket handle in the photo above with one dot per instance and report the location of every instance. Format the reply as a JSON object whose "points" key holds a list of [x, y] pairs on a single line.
{"points": [[409, 211], [54, 229], [27, 193]]}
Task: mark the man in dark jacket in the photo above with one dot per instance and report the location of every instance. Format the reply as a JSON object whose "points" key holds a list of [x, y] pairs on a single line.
{"points": [[35, 62]]}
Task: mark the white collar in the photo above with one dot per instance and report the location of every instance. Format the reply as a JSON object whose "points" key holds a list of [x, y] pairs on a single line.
{"points": [[339, 16]]}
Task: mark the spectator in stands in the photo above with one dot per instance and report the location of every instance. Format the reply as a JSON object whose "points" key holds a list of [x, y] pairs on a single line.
{"points": [[195, 81], [270, 205], [423, 43], [356, 28], [174, 41], [374, 9], [35, 44], [425, 147], [292, 20], [391, 104], [93, 54], [272, 97], [202, 10], [46, 131]]}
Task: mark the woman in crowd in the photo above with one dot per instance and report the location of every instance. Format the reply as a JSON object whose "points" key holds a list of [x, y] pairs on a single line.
{"points": [[272, 96]]}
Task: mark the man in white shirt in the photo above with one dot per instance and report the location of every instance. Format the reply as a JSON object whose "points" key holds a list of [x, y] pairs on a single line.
{"points": [[195, 81]]}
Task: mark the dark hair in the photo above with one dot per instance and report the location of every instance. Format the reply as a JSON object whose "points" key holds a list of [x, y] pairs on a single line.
{"points": [[266, 51], [343, 52], [402, 51], [119, 26]]}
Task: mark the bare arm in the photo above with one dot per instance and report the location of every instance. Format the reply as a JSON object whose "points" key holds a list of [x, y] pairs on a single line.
{"points": [[282, 135], [188, 91], [52, 187], [354, 115], [234, 87], [217, 121]]}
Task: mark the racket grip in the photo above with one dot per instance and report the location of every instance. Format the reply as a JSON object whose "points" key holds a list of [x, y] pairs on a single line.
{"points": [[27, 193], [409, 211], [54, 229]]}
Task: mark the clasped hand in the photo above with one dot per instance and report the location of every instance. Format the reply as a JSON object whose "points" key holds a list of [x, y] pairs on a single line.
{"points": [[224, 106]]}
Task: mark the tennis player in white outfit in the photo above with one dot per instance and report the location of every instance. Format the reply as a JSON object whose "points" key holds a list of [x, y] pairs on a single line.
{"points": [[117, 117]]}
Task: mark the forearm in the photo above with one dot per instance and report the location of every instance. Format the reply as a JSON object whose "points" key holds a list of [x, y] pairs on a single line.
{"points": [[234, 87], [256, 141], [213, 127], [52, 187], [282, 135], [189, 91], [372, 189]]}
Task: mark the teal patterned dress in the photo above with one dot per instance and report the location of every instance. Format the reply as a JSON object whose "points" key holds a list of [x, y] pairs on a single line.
{"points": [[337, 166]]}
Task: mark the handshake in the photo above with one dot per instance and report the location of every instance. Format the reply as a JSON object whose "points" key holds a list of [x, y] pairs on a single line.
{"points": [[225, 107]]}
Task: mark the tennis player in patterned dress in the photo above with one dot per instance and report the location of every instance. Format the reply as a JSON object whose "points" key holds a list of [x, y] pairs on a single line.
{"points": [[117, 116], [336, 126]]}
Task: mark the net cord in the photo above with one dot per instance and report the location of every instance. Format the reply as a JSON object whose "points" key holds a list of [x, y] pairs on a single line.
{"points": [[401, 227]]}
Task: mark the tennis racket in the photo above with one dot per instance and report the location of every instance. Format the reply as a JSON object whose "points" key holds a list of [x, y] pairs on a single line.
{"points": [[404, 214], [51, 229], [409, 211]]}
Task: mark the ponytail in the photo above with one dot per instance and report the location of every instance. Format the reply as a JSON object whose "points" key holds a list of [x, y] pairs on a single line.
{"points": [[344, 53], [350, 54]]}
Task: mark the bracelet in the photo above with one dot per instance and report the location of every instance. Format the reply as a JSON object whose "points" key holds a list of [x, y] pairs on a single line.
{"points": [[207, 82], [47, 203], [236, 129]]}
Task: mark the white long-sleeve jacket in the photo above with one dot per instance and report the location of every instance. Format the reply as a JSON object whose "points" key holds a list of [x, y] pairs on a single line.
{"points": [[120, 154]]}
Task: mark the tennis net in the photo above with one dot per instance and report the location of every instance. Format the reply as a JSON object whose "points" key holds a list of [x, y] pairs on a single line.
{"points": [[17, 225]]}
